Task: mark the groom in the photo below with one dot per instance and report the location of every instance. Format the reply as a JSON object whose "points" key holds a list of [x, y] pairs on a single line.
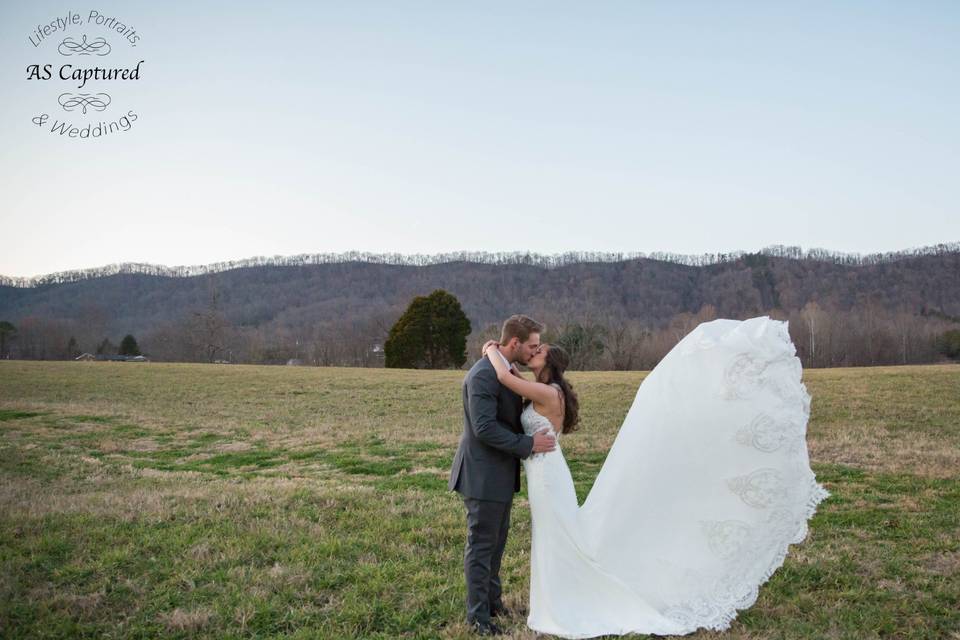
{"points": [[486, 469]]}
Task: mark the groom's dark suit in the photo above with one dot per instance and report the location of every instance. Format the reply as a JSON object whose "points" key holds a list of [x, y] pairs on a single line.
{"points": [[486, 472]]}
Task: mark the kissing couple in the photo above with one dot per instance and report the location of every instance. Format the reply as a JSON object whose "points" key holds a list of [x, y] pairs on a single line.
{"points": [[705, 486]]}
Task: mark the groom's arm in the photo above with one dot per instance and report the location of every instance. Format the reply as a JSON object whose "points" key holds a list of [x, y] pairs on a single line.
{"points": [[482, 391]]}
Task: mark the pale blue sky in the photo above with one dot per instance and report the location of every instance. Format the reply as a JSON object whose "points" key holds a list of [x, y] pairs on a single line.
{"points": [[419, 127]]}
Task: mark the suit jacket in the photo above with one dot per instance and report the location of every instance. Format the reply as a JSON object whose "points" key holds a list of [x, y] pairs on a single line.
{"points": [[487, 463]]}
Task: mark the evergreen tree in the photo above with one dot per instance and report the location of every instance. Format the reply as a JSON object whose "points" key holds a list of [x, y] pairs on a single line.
{"points": [[128, 346], [431, 334], [949, 344], [73, 350], [106, 347], [6, 331]]}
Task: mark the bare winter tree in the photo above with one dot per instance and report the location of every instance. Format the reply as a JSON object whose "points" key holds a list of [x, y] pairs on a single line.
{"points": [[814, 321], [209, 330], [621, 341]]}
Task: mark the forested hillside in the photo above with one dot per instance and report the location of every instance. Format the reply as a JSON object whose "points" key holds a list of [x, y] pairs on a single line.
{"points": [[613, 311]]}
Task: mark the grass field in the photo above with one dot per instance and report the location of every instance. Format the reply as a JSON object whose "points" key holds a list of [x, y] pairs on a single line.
{"points": [[191, 500]]}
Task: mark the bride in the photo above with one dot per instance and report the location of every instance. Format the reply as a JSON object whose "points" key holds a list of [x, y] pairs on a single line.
{"points": [[706, 485]]}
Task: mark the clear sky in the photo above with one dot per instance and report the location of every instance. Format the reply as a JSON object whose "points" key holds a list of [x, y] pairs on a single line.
{"points": [[278, 128]]}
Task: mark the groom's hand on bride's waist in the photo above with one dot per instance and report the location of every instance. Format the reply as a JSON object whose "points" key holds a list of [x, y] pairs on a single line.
{"points": [[544, 441]]}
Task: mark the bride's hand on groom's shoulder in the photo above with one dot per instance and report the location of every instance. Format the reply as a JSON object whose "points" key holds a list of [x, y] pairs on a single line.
{"points": [[486, 346]]}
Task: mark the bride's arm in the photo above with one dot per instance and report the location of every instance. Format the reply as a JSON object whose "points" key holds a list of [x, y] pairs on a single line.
{"points": [[537, 391]]}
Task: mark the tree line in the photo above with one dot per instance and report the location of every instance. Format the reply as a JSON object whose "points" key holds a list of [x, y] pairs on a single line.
{"points": [[477, 257], [609, 315], [860, 337]]}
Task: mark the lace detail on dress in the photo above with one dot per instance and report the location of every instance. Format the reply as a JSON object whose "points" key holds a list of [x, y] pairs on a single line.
{"points": [[777, 369], [743, 377], [760, 489], [768, 434], [533, 421], [725, 538], [750, 555], [715, 603]]}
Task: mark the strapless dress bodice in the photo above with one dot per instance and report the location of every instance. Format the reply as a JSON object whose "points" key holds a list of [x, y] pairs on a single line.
{"points": [[533, 421]]}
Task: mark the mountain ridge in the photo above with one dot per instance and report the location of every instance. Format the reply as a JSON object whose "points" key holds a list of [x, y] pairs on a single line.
{"points": [[875, 307], [481, 257]]}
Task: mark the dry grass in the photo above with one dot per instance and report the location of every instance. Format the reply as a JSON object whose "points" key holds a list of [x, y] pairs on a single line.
{"points": [[206, 501], [190, 621]]}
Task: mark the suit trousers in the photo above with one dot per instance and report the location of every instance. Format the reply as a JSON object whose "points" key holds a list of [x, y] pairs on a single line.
{"points": [[488, 522]]}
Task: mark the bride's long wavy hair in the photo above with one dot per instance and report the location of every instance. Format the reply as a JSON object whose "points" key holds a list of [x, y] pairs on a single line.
{"points": [[557, 362]]}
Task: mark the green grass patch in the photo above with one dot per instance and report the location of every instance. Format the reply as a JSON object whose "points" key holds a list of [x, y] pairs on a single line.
{"points": [[95, 419], [12, 414], [319, 506]]}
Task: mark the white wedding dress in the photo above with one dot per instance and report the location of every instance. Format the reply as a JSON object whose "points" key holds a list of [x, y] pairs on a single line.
{"points": [[706, 485]]}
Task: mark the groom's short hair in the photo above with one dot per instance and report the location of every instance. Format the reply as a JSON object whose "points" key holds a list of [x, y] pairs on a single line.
{"points": [[519, 326]]}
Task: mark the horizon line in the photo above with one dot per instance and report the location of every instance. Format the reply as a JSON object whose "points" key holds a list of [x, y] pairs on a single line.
{"points": [[479, 257]]}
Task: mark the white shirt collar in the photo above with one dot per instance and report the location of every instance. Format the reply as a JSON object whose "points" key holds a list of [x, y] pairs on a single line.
{"points": [[504, 358]]}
